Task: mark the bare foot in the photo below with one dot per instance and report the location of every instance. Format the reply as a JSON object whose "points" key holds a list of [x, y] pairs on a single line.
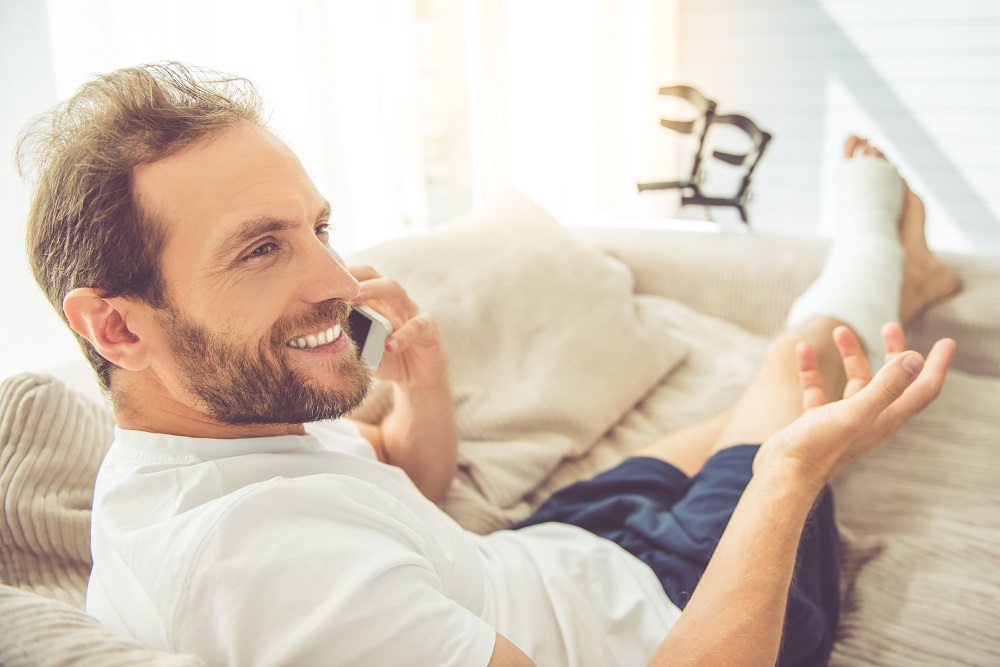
{"points": [[926, 279], [854, 144]]}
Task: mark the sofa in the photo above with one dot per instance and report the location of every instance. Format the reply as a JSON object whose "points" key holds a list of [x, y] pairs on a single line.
{"points": [[568, 349]]}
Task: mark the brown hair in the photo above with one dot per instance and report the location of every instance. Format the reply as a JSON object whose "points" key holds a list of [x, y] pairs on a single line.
{"points": [[86, 227]]}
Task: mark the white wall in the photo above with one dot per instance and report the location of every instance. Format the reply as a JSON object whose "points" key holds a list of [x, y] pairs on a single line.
{"points": [[921, 77]]}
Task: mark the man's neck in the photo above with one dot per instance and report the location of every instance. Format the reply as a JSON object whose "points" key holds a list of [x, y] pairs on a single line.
{"points": [[143, 404]]}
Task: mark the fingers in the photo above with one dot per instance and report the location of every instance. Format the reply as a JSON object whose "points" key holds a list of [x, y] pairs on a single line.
{"points": [[362, 272], [927, 386], [376, 287], [389, 298], [855, 368], [384, 289], [883, 398], [893, 340], [813, 393], [419, 329], [941, 354], [855, 363]]}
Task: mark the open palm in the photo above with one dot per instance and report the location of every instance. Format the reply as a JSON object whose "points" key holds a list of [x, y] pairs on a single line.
{"points": [[830, 435]]}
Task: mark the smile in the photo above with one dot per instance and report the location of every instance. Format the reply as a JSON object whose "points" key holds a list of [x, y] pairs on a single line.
{"points": [[317, 339]]}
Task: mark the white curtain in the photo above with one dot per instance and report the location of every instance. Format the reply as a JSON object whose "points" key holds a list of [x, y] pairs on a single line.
{"points": [[564, 105], [335, 74], [405, 113], [340, 78]]}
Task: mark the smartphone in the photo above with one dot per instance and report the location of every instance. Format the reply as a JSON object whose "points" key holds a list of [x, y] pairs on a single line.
{"points": [[369, 331]]}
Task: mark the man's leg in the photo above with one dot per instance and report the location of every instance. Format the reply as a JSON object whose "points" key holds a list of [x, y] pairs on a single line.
{"points": [[773, 399], [900, 277]]}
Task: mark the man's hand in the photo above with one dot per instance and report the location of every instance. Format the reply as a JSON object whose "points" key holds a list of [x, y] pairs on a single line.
{"points": [[413, 353], [736, 613], [419, 435], [829, 436]]}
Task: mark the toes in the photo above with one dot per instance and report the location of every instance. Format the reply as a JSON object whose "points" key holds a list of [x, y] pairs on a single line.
{"points": [[850, 145], [872, 150], [854, 144]]}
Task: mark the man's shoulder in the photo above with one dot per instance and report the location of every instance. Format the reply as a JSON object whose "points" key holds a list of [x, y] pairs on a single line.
{"points": [[188, 508], [161, 489], [185, 502]]}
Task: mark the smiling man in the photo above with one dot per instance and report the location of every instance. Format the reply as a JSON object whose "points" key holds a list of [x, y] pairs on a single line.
{"points": [[247, 256], [239, 516]]}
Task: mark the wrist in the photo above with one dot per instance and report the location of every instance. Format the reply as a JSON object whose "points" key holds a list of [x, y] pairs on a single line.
{"points": [[774, 467], [424, 390]]}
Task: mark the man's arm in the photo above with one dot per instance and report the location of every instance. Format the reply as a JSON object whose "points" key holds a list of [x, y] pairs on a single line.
{"points": [[736, 614], [738, 609], [419, 435]]}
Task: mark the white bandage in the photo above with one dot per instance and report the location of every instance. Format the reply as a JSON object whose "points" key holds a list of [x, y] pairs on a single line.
{"points": [[861, 281]]}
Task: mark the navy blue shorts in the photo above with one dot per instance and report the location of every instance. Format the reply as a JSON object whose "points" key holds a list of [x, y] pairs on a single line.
{"points": [[673, 523]]}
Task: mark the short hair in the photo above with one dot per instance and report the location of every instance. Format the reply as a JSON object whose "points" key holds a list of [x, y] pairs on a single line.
{"points": [[86, 225]]}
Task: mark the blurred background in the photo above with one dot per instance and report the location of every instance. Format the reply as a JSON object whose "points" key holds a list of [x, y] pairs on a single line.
{"points": [[408, 113]]}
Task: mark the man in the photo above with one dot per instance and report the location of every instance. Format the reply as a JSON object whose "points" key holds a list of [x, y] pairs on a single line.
{"points": [[188, 250]]}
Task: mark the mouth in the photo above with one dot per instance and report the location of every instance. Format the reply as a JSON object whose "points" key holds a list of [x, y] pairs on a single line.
{"points": [[316, 338]]}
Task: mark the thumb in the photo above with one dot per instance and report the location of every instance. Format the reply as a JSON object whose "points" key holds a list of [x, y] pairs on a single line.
{"points": [[891, 381]]}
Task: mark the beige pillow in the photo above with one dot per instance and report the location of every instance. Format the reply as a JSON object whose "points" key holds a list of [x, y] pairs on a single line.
{"points": [[52, 441], [548, 346], [38, 632]]}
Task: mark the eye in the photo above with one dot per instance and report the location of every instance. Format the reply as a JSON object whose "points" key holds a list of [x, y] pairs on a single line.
{"points": [[261, 250], [323, 231]]}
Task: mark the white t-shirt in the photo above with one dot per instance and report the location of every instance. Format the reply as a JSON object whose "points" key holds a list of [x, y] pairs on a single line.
{"points": [[307, 550]]}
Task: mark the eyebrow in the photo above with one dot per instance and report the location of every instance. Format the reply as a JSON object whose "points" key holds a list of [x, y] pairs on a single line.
{"points": [[254, 228]]}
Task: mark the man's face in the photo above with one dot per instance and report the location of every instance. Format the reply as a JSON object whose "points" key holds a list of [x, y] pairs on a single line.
{"points": [[257, 296]]}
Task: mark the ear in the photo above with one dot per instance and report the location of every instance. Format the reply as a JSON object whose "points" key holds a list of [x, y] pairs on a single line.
{"points": [[105, 323]]}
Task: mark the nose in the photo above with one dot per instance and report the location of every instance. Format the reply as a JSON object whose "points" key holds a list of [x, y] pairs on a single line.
{"points": [[325, 276]]}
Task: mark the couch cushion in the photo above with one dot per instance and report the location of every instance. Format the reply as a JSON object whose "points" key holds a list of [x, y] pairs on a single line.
{"points": [[52, 441], [752, 280], [38, 632], [548, 346]]}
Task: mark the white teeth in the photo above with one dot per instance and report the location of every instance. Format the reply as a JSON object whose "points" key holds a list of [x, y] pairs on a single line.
{"points": [[315, 340]]}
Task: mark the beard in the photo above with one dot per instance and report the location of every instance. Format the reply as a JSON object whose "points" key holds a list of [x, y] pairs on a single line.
{"points": [[243, 384]]}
